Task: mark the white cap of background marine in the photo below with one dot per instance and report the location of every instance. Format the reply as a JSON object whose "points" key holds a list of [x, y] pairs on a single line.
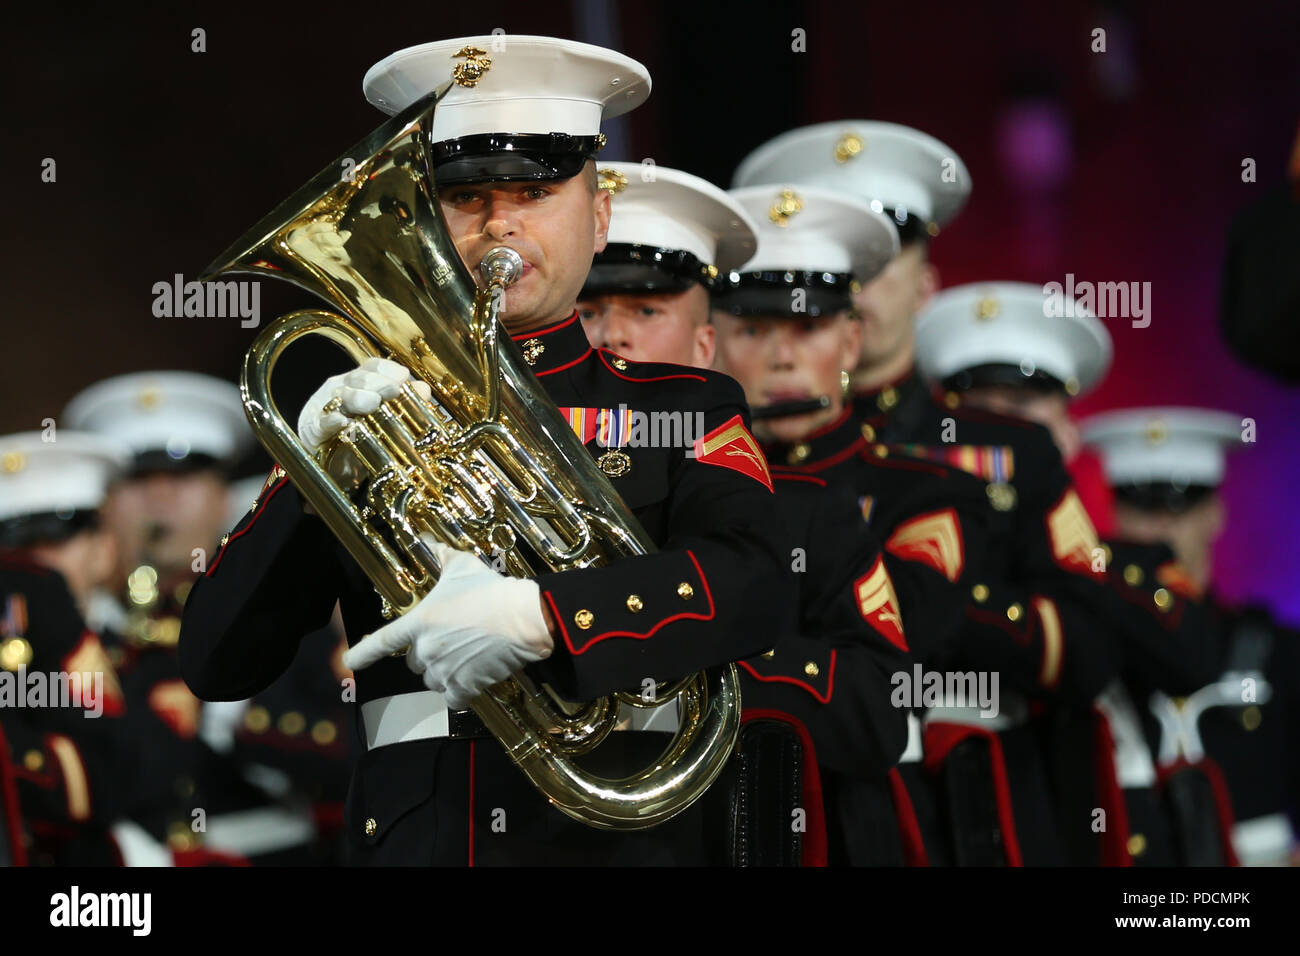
{"points": [[1010, 333], [918, 181], [667, 229]]}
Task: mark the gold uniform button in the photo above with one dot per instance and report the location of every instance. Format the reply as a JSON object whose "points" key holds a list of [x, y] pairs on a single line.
{"points": [[798, 453], [868, 432], [33, 760], [811, 669], [1164, 600], [292, 723], [1133, 575], [1251, 717], [768, 654], [257, 720], [951, 399], [1014, 612], [324, 732], [371, 826], [181, 837], [685, 591], [881, 451], [980, 593], [634, 603], [15, 654], [584, 618], [887, 399], [1137, 844]]}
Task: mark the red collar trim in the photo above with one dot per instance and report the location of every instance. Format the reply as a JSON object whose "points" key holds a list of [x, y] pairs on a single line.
{"points": [[538, 333]]}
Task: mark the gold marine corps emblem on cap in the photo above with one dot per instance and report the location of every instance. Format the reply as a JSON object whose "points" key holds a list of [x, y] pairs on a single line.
{"points": [[612, 181], [987, 308], [477, 62], [1157, 432], [848, 146], [786, 205]]}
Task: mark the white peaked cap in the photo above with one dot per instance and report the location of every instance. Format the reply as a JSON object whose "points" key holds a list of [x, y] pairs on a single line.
{"points": [[809, 229], [179, 413], [510, 84], [895, 166], [1180, 446], [1012, 323], [670, 209], [70, 473]]}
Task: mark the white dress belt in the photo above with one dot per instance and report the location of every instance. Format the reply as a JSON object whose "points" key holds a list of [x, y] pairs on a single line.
{"points": [[421, 715], [914, 751], [1263, 841], [1013, 711]]}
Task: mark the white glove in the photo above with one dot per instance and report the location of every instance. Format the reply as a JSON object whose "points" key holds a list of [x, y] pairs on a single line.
{"points": [[359, 392], [475, 628]]}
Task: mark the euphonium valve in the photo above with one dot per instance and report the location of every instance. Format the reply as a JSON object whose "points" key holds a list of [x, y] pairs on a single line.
{"points": [[485, 465]]}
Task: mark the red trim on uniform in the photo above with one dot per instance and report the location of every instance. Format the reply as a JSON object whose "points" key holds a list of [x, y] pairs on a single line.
{"points": [[9, 805], [782, 679], [812, 479], [546, 330], [1114, 839], [657, 378], [842, 455], [19, 560], [909, 827], [471, 802], [270, 493], [903, 463], [685, 615], [810, 795], [997, 620], [830, 426], [939, 740], [560, 368], [205, 857], [1222, 801]]}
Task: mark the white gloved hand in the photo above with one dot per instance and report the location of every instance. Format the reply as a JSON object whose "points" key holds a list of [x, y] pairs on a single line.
{"points": [[475, 628], [359, 392]]}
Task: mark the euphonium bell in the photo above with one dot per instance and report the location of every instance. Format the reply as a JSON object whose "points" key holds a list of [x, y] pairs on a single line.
{"points": [[487, 465]]}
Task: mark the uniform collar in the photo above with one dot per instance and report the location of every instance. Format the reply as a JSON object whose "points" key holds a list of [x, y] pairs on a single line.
{"points": [[554, 347], [881, 401], [829, 445]]}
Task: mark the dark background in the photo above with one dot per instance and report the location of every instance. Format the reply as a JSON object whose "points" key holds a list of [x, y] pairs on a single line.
{"points": [[1123, 166]]}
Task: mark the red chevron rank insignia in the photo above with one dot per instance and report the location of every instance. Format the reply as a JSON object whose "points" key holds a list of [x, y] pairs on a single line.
{"points": [[730, 445], [933, 539], [878, 604]]}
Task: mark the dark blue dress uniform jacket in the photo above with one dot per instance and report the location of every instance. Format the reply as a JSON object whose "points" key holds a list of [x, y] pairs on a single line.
{"points": [[716, 591]]}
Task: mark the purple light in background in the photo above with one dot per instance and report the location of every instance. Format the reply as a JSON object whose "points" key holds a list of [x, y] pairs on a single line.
{"points": [[1034, 145]]}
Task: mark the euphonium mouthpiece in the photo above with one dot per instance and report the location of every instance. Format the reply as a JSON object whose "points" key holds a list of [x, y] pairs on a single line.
{"points": [[501, 265]]}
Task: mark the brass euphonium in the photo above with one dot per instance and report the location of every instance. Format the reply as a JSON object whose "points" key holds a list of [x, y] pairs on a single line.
{"points": [[487, 465]]}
